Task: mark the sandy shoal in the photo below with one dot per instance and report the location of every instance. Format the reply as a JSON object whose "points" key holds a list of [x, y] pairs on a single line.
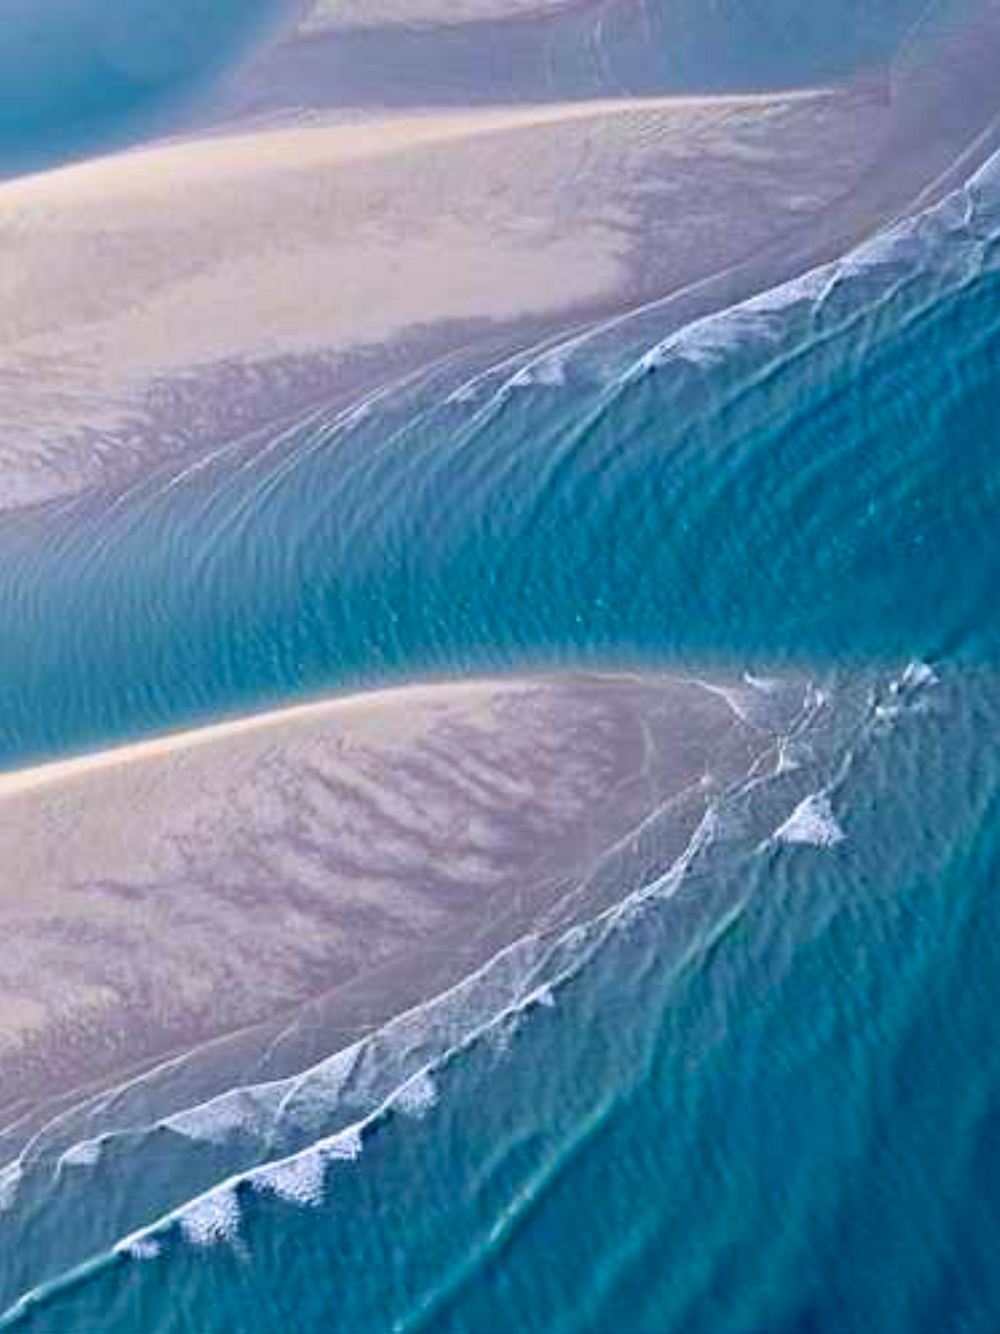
{"points": [[360, 854]]}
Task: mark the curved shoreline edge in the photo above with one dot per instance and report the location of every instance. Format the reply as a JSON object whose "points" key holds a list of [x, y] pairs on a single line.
{"points": [[356, 854]]}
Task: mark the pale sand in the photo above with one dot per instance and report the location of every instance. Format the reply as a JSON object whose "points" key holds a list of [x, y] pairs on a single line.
{"points": [[154, 304], [339, 236], [364, 853], [180, 260], [396, 712]]}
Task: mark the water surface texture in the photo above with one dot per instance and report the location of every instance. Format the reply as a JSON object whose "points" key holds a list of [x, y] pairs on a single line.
{"points": [[78, 74], [734, 1070]]}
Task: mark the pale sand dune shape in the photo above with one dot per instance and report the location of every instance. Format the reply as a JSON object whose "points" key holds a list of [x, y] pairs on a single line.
{"points": [[339, 236], [330, 239], [378, 848], [396, 712]]}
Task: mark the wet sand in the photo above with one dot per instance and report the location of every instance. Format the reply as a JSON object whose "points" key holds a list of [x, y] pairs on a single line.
{"points": [[358, 855]]}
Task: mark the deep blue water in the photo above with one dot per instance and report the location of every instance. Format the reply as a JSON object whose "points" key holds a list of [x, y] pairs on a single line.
{"points": [[762, 1095]]}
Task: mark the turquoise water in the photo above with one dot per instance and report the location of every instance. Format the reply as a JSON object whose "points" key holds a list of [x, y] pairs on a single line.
{"points": [[80, 75], [762, 1094]]}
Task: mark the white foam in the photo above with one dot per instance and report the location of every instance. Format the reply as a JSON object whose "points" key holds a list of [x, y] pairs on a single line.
{"points": [[792, 754], [417, 1096], [500, 1031], [817, 697], [301, 1178], [887, 716], [896, 250], [744, 701], [246, 1110], [347, 1146], [465, 393], [919, 675], [298, 1180], [10, 1181], [211, 1218], [140, 1247], [84, 1154], [812, 822], [767, 685], [548, 370], [216, 1217]]}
